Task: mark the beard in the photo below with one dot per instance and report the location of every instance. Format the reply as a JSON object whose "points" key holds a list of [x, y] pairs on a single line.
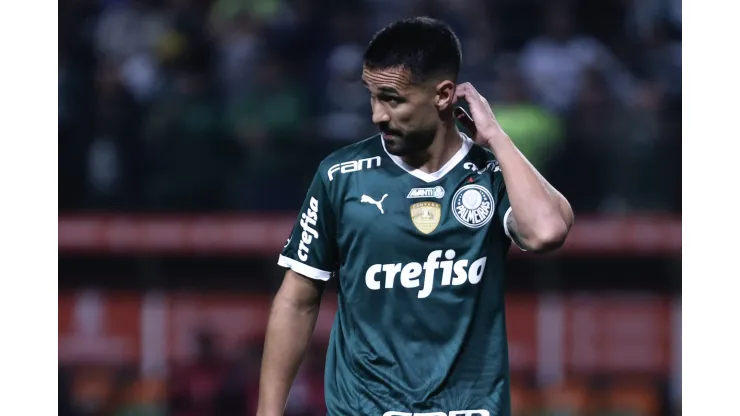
{"points": [[405, 144]]}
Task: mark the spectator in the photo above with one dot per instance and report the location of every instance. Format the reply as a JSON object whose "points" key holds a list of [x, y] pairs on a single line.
{"points": [[128, 33], [536, 131], [662, 58], [187, 150], [266, 124], [240, 48], [112, 169], [196, 388], [186, 104], [346, 109], [553, 64]]}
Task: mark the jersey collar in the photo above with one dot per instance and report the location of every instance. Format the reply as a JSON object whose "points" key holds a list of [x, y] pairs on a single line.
{"points": [[467, 144]]}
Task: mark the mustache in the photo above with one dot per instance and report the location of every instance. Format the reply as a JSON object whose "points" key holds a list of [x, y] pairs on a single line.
{"points": [[385, 129]]}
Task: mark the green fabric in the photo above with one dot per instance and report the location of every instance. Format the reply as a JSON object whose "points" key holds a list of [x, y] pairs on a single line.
{"points": [[420, 324]]}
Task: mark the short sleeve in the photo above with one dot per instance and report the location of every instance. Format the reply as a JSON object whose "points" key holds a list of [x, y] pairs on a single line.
{"points": [[311, 248], [503, 208]]}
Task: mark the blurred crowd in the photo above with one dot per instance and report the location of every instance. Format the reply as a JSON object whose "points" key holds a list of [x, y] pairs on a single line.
{"points": [[218, 384], [222, 105], [214, 383]]}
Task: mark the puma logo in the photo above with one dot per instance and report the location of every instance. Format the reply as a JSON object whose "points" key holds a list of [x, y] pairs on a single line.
{"points": [[378, 204]]}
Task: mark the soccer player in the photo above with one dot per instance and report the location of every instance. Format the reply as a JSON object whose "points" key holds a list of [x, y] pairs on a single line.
{"points": [[415, 222]]}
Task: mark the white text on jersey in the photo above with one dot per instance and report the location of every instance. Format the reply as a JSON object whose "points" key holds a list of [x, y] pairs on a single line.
{"points": [[410, 272], [308, 221], [491, 165], [354, 166]]}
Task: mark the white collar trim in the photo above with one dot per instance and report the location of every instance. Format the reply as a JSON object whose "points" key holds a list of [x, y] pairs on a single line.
{"points": [[467, 144]]}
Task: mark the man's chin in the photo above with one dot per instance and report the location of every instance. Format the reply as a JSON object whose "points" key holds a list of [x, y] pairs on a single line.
{"points": [[394, 145]]}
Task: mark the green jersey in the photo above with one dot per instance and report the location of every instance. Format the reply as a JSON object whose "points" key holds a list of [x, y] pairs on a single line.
{"points": [[420, 326]]}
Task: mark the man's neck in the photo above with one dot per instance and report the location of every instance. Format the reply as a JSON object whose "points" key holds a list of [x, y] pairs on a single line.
{"points": [[446, 143]]}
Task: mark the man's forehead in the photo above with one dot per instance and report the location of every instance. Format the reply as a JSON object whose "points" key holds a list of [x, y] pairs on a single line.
{"points": [[396, 78]]}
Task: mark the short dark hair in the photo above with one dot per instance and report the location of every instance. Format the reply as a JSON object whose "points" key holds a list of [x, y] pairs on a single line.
{"points": [[424, 46]]}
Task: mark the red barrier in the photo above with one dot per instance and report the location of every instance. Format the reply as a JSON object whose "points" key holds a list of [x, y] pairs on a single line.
{"points": [[266, 234], [589, 332]]}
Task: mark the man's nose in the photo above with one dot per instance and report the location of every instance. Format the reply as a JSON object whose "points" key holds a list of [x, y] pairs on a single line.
{"points": [[379, 114]]}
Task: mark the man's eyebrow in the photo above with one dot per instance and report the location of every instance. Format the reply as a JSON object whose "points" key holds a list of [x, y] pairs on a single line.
{"points": [[388, 90], [385, 90]]}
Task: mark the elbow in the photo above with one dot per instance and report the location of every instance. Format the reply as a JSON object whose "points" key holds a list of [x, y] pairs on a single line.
{"points": [[549, 238]]}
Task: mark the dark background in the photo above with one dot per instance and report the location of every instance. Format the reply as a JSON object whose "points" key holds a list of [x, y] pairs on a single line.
{"points": [[180, 109]]}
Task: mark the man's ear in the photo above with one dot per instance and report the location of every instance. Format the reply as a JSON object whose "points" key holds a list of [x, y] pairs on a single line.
{"points": [[445, 95]]}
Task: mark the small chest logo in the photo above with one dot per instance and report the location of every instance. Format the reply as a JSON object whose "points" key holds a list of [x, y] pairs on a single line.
{"points": [[473, 205], [436, 192], [368, 200], [426, 215]]}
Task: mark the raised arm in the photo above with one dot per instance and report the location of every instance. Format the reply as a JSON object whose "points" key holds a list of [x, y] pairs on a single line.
{"points": [[540, 217]]}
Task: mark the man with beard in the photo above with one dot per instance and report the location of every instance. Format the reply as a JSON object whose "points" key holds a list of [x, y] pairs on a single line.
{"points": [[415, 222]]}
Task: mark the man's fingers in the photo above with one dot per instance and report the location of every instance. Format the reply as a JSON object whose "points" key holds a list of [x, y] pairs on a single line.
{"points": [[462, 90], [462, 116], [468, 92]]}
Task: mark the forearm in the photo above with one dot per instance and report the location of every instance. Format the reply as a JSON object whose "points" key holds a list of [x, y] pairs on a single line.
{"points": [[541, 215], [563, 206], [289, 332]]}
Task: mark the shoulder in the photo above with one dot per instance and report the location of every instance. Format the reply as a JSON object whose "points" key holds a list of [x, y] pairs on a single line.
{"points": [[365, 154], [482, 160]]}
